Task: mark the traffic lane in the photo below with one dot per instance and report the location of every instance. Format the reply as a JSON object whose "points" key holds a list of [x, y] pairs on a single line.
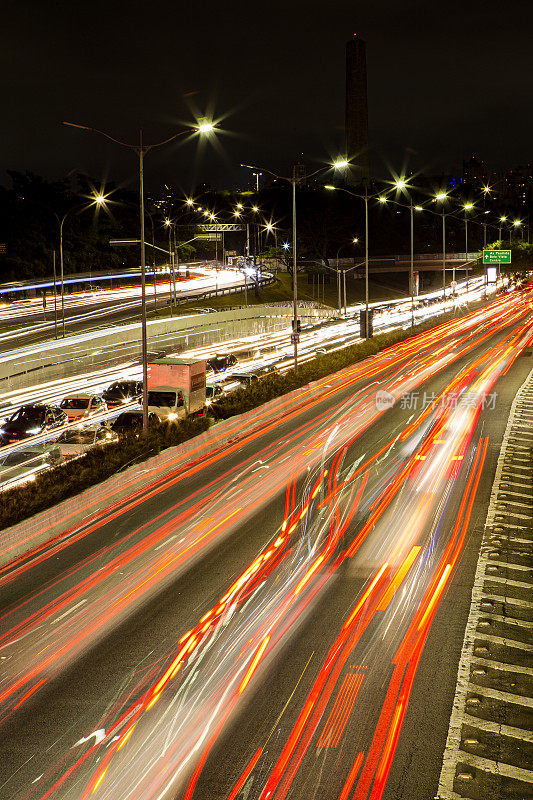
{"points": [[348, 723], [95, 314], [418, 628], [416, 768], [72, 689], [25, 664], [184, 484]]}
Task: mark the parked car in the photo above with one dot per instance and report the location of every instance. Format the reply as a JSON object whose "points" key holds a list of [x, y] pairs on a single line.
{"points": [[244, 378], [131, 421], [83, 405], [126, 391], [80, 439], [22, 465], [220, 363], [30, 420], [253, 375], [216, 391]]}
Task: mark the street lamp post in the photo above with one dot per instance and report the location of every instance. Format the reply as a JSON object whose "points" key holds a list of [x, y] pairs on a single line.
{"points": [[98, 201], [466, 207], [401, 184], [293, 181], [411, 266], [442, 196], [141, 149], [339, 281]]}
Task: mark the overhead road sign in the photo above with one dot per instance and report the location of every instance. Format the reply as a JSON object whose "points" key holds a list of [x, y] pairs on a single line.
{"points": [[124, 241], [223, 227], [212, 237], [496, 256]]}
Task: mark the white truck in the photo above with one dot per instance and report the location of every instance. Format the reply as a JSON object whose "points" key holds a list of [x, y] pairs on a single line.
{"points": [[176, 387]]}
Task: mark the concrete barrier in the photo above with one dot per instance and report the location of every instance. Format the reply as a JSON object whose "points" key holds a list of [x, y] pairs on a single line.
{"points": [[70, 518], [63, 358]]}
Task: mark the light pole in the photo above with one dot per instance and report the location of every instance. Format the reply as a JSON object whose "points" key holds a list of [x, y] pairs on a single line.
{"points": [[466, 207], [442, 196], [141, 149], [172, 276], [341, 164], [401, 184], [354, 241], [99, 200]]}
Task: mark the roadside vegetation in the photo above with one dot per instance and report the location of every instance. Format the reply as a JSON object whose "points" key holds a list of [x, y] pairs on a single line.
{"points": [[99, 463]]}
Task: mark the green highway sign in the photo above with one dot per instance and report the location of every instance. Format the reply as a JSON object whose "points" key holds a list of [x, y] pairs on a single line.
{"points": [[496, 256]]}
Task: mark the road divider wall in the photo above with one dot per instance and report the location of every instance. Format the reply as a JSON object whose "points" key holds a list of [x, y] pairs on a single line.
{"points": [[63, 358]]}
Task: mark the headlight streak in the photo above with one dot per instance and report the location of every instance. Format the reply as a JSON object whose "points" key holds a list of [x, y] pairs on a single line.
{"points": [[318, 520], [428, 609]]}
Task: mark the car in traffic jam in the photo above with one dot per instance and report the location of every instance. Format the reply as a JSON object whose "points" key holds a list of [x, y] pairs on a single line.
{"points": [[31, 420]]}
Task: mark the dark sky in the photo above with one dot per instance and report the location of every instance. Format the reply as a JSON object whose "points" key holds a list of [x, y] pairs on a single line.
{"points": [[445, 79]]}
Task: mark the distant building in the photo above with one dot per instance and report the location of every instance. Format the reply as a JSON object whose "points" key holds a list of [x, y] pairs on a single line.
{"points": [[519, 184], [475, 172], [356, 117]]}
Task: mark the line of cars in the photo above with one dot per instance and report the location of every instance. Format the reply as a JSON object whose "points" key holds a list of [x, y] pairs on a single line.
{"points": [[33, 419], [165, 402]]}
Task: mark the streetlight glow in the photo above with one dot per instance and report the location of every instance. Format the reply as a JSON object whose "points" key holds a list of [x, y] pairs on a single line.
{"points": [[341, 163], [517, 223], [382, 199], [468, 206], [330, 188], [401, 184], [503, 219], [441, 196], [206, 127]]}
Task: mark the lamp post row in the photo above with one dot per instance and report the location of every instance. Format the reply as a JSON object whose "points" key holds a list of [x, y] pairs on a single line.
{"points": [[141, 149]]}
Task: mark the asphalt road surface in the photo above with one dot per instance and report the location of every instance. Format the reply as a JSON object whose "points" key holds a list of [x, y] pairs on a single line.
{"points": [[282, 618], [86, 310]]}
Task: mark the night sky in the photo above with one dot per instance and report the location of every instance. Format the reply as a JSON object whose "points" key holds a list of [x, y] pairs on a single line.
{"points": [[445, 80]]}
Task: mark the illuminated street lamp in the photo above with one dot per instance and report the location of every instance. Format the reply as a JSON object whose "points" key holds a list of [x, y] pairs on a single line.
{"points": [[141, 149], [99, 201], [293, 181], [466, 207], [365, 197], [441, 197]]}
